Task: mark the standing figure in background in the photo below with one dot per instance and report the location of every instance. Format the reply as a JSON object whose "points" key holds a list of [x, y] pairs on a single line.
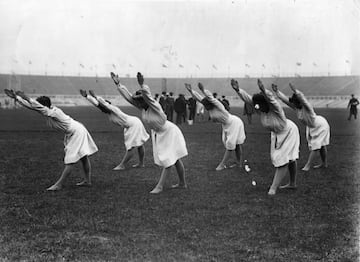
{"points": [[248, 111], [156, 97], [200, 111], [233, 133], [317, 128], [285, 138], [226, 103], [180, 109], [167, 139], [353, 103], [192, 110], [169, 106], [135, 134], [162, 100], [78, 143]]}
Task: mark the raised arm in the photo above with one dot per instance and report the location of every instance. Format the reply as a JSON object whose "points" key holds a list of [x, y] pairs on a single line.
{"points": [[149, 100], [274, 104], [282, 96], [90, 98], [32, 104], [303, 101], [242, 93], [193, 93], [210, 97], [124, 91]]}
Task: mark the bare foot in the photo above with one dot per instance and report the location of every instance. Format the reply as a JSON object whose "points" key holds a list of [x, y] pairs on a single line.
{"points": [[119, 167], [288, 186], [156, 190], [179, 186], [271, 192], [138, 165], [220, 167], [320, 166], [83, 183], [54, 188], [305, 168]]}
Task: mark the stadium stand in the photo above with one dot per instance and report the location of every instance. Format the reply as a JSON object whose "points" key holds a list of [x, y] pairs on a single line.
{"points": [[330, 91]]}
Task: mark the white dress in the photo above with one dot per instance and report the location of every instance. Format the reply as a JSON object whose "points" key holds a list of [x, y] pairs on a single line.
{"points": [[233, 132], [167, 139], [135, 134], [317, 128], [77, 141], [285, 138]]}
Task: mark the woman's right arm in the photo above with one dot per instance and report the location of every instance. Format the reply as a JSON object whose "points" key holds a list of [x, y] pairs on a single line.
{"points": [[284, 99], [127, 95]]}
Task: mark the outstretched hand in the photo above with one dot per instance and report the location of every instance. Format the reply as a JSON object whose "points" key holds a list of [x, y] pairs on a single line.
{"points": [[115, 78], [91, 92], [235, 85], [261, 86], [274, 88], [188, 87], [10, 93], [140, 78], [292, 88], [83, 93], [201, 87]]}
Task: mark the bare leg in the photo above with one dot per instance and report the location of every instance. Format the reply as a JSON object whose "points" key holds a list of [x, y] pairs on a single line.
{"points": [[141, 152], [159, 187], [181, 173], [239, 154], [292, 172], [323, 155], [222, 165], [64, 175], [310, 160], [87, 172], [280, 173], [128, 155]]}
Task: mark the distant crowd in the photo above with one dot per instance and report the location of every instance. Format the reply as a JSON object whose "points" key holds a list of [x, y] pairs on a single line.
{"points": [[186, 110]]}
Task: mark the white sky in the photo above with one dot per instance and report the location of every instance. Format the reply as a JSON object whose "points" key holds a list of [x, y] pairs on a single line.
{"points": [[271, 36]]}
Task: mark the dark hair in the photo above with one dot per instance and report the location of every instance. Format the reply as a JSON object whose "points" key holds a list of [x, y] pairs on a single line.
{"points": [[259, 99], [171, 93], [140, 100], [44, 100], [295, 101], [207, 104], [215, 95]]}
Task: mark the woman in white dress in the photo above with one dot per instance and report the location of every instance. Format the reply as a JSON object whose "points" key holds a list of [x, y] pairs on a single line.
{"points": [[317, 128], [135, 134], [167, 139], [78, 143], [233, 133], [285, 139]]}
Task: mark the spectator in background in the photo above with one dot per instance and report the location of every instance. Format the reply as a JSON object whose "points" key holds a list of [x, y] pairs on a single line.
{"points": [[162, 100], [248, 111], [169, 106], [200, 111], [180, 109], [156, 97], [226, 103], [192, 110], [353, 103]]}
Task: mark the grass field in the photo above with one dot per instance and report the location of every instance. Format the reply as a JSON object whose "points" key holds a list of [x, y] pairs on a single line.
{"points": [[221, 217]]}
